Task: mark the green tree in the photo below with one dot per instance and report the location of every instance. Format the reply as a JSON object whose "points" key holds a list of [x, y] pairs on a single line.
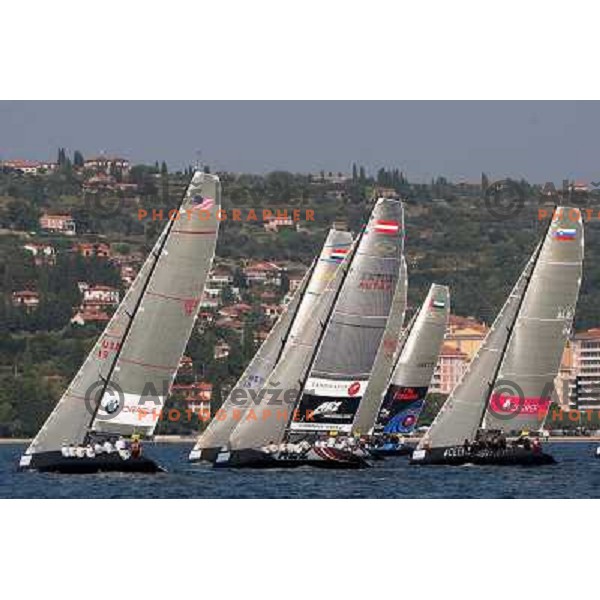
{"points": [[78, 159]]}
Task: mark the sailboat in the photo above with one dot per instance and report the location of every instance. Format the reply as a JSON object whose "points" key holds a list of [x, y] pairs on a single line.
{"points": [[121, 388], [404, 398], [508, 383], [331, 362], [246, 394]]}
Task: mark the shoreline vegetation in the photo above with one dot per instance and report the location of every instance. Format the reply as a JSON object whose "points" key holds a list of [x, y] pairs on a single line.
{"points": [[58, 287]]}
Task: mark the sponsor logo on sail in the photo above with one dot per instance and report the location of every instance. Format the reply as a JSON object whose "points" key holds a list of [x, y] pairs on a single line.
{"points": [[354, 388], [406, 394], [110, 404], [376, 281], [327, 408]]}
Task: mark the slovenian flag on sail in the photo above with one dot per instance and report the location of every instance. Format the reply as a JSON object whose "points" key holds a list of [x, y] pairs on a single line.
{"points": [[565, 235], [338, 253], [438, 303], [386, 227], [201, 203]]}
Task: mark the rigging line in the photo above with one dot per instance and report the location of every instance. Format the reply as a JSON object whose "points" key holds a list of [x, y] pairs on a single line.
{"points": [[137, 305], [514, 321]]}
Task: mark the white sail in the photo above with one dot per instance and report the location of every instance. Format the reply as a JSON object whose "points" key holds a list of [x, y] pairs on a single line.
{"points": [[461, 414], [405, 395], [268, 421], [386, 358], [521, 353], [346, 354], [137, 355], [291, 323], [525, 382]]}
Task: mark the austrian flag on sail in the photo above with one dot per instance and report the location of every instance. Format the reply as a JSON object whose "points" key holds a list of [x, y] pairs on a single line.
{"points": [[386, 227]]}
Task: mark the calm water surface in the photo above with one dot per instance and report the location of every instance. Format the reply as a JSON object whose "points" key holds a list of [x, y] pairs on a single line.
{"points": [[576, 476]]}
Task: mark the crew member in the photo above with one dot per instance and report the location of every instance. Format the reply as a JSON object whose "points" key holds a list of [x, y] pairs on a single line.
{"points": [[136, 448]]}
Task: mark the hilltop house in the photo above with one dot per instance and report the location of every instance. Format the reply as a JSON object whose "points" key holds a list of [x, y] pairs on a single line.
{"points": [[27, 299], [58, 223], [42, 253], [99, 296], [261, 273], [107, 164]]}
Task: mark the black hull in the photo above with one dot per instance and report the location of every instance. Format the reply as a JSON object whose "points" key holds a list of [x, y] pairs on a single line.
{"points": [[457, 456], [55, 462], [385, 452], [206, 455], [255, 459]]}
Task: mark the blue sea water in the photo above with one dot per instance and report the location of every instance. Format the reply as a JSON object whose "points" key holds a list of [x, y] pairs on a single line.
{"points": [[577, 475]]}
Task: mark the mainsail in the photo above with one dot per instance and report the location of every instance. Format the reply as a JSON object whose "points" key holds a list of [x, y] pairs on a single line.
{"points": [[291, 323], [122, 385], [388, 352], [412, 375], [463, 412], [344, 360], [525, 381]]}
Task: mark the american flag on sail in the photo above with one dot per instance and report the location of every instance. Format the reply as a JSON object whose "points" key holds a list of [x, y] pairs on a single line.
{"points": [[565, 235], [386, 227], [201, 203]]}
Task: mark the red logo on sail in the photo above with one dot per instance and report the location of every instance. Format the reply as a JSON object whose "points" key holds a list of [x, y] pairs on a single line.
{"points": [[189, 306], [504, 405], [354, 388]]}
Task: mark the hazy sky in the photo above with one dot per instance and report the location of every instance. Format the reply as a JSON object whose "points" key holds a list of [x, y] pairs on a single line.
{"points": [[541, 141]]}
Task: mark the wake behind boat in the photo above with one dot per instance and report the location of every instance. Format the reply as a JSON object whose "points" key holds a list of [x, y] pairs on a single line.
{"points": [[115, 400]]}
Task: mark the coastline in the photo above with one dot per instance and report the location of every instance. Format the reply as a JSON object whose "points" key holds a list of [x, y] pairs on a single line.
{"points": [[161, 439], [180, 439]]}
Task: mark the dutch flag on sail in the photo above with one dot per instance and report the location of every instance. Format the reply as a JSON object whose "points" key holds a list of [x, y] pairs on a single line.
{"points": [[565, 235], [338, 253], [386, 227], [437, 304]]}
